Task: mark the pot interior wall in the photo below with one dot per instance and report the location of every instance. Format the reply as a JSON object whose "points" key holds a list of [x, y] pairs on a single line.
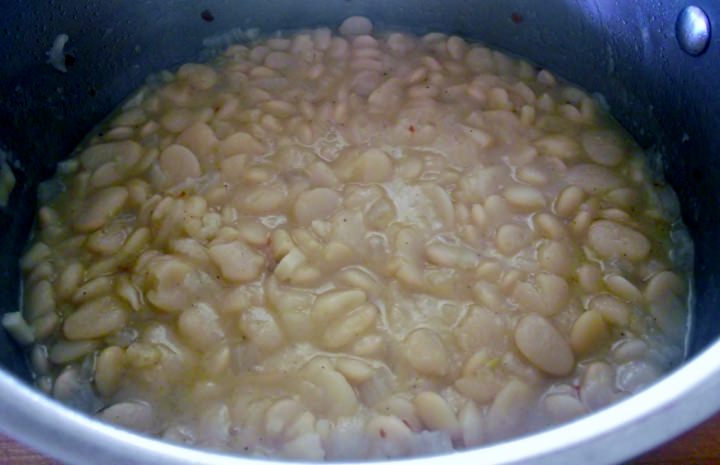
{"points": [[624, 50]]}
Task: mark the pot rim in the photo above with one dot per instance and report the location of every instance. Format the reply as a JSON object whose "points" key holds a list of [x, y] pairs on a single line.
{"points": [[673, 405]]}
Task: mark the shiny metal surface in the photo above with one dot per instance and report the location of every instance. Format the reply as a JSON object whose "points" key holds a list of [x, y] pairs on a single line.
{"points": [[693, 30], [625, 50]]}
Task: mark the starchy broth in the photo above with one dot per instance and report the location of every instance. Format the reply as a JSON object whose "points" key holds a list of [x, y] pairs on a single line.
{"points": [[343, 245]]}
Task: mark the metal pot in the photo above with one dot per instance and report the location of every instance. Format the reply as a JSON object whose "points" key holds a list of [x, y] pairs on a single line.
{"points": [[627, 51]]}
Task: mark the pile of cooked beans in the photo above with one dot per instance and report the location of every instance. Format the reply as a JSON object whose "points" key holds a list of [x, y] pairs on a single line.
{"points": [[324, 246]]}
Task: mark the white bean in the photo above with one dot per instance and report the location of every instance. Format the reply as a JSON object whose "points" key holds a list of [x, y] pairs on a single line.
{"points": [[400, 43], [106, 241], [168, 277], [200, 326], [625, 197], [109, 369], [613, 240], [499, 99], [359, 279], [629, 349], [365, 43], [590, 277], [34, 256], [279, 108], [239, 143], [488, 294], [278, 60], [334, 304], [348, 328], [554, 292], [142, 355], [63, 352], [176, 120], [472, 424], [260, 327], [636, 375], [671, 316], [544, 345], [263, 200], [339, 397], [40, 300], [456, 47], [481, 327], [381, 214], [338, 48], [322, 175], [315, 204], [99, 208], [623, 288], [44, 326], [603, 147], [371, 345], [15, 324], [589, 332], [199, 138], [560, 146], [131, 415], [445, 255], [563, 407], [612, 309], [554, 256], [581, 223], [237, 261], [593, 179], [39, 359], [254, 234], [96, 318], [97, 155], [179, 163], [355, 371], [596, 387], [525, 198], [281, 415], [663, 284], [426, 353], [356, 25], [532, 175], [442, 204], [321, 37], [569, 200], [436, 414], [393, 435], [200, 76], [550, 226], [505, 416], [372, 166], [512, 238]]}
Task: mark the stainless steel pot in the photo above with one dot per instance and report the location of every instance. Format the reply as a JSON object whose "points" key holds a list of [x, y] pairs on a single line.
{"points": [[630, 52]]}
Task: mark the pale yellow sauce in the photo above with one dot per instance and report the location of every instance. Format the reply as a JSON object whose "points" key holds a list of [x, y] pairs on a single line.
{"points": [[333, 247]]}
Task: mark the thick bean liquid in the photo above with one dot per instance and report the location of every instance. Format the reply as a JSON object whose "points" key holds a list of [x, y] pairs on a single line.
{"points": [[342, 246]]}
